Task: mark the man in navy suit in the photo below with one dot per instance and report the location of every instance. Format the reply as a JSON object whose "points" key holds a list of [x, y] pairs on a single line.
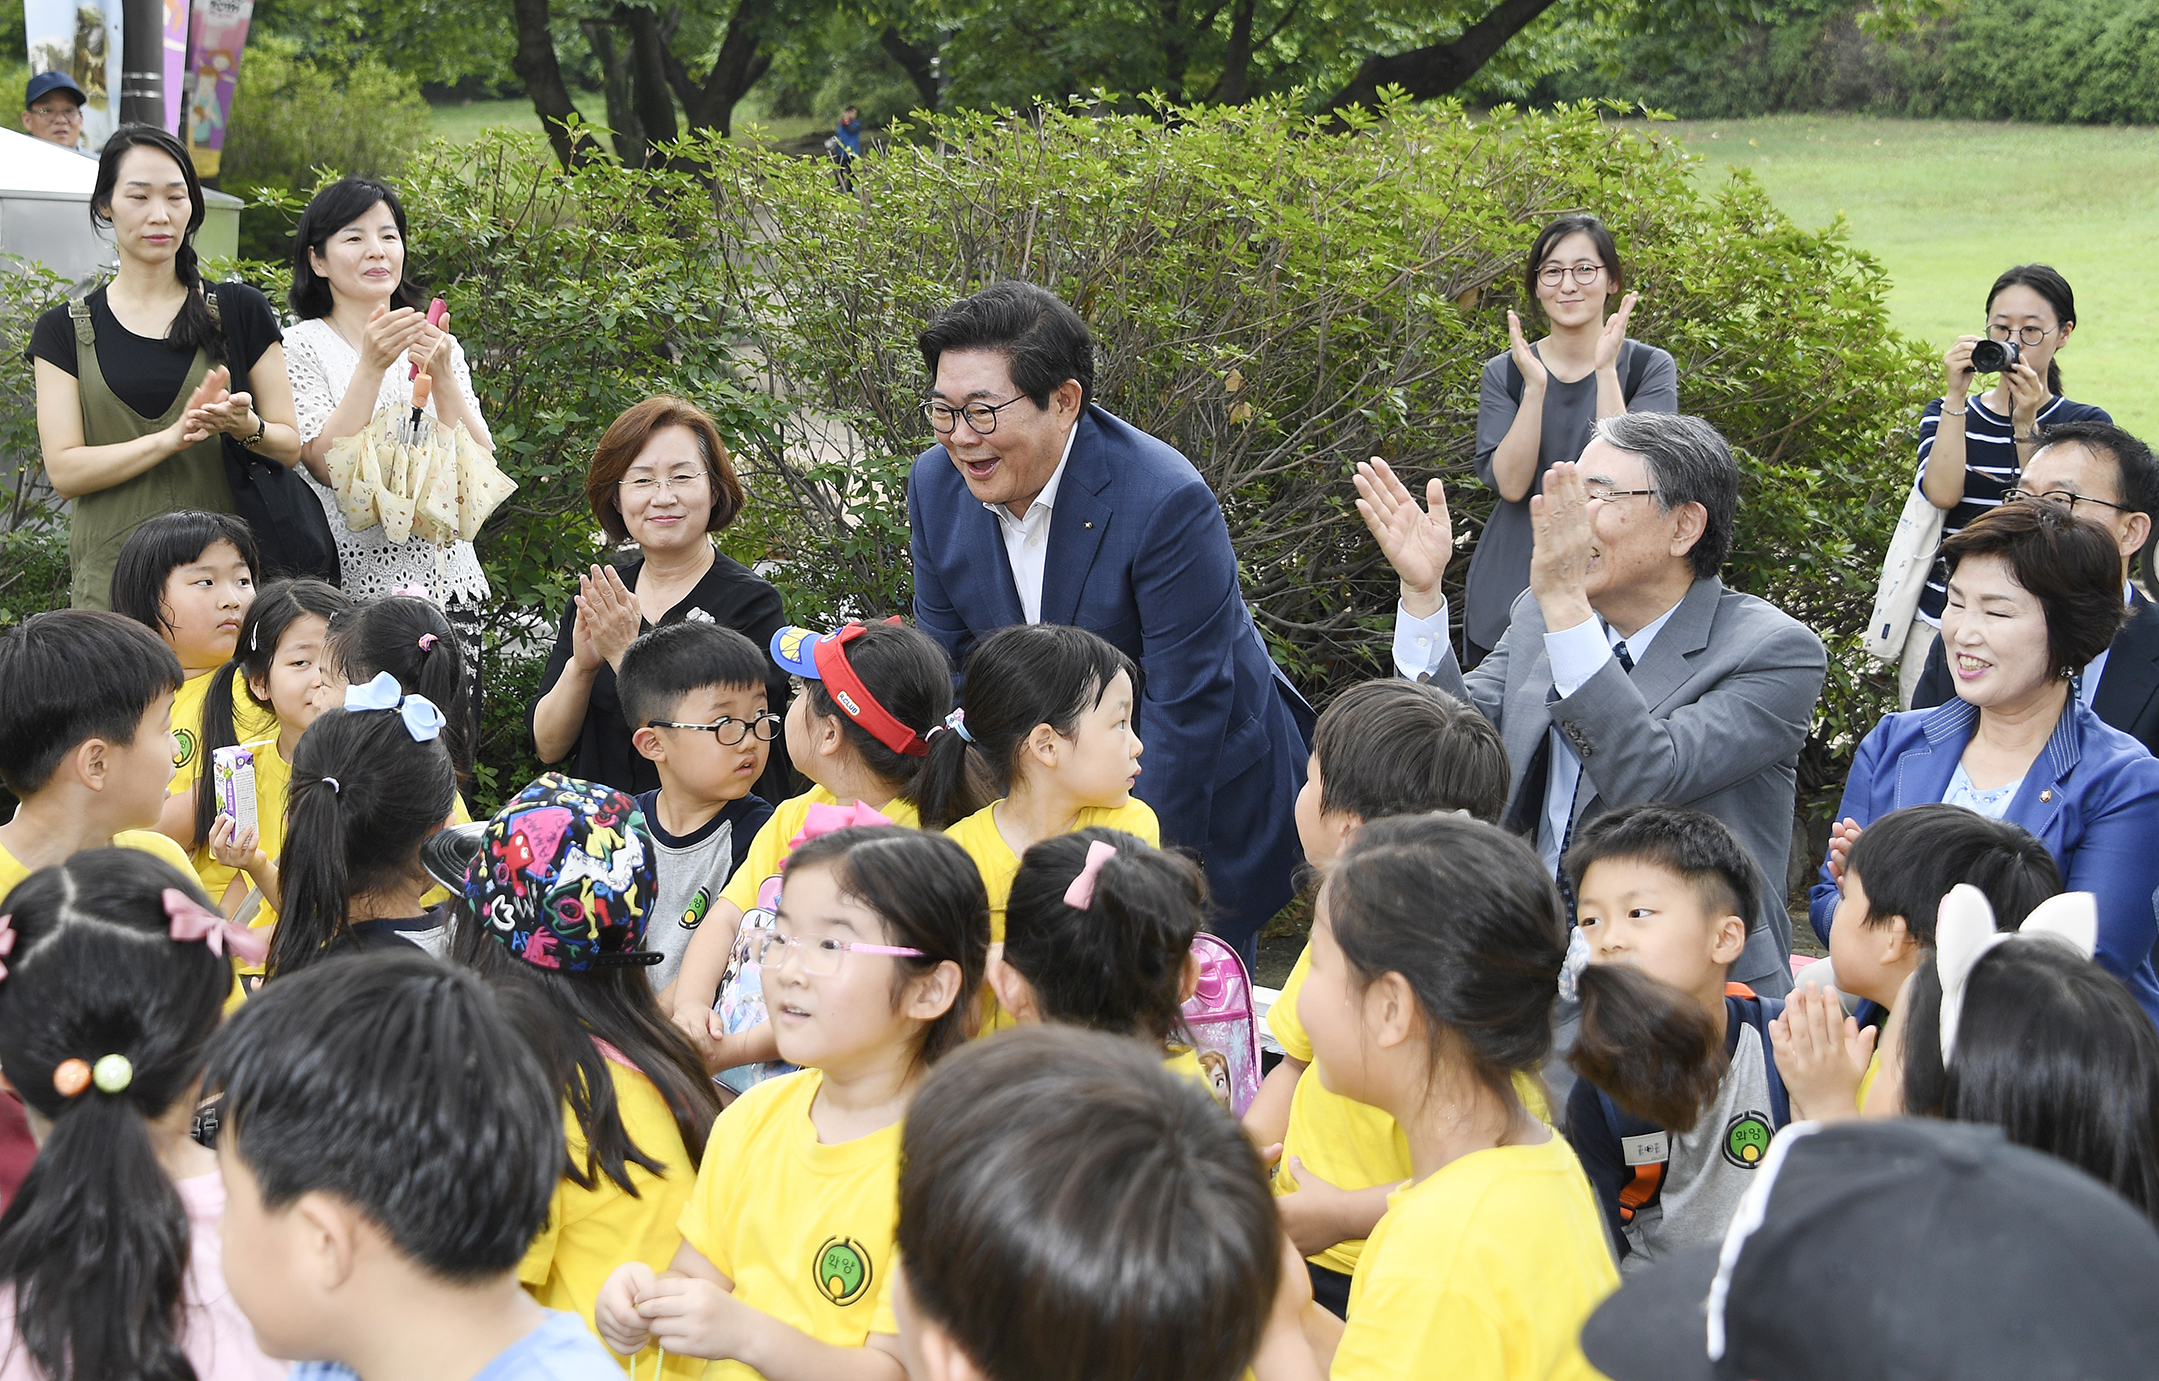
{"points": [[2108, 477], [1043, 507]]}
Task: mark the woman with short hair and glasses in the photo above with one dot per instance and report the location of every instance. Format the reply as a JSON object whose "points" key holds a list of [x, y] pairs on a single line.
{"points": [[661, 478], [1541, 401], [1972, 448]]}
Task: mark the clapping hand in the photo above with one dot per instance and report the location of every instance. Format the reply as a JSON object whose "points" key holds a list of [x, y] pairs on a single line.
{"points": [[1417, 541], [1822, 1055], [1842, 836], [607, 614], [1534, 374], [1614, 333], [1559, 558]]}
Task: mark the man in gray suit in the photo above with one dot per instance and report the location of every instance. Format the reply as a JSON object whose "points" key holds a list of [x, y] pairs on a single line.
{"points": [[1629, 673]]}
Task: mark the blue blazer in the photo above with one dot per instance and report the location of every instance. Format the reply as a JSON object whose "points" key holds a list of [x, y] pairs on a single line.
{"points": [[1138, 553], [2091, 796]]}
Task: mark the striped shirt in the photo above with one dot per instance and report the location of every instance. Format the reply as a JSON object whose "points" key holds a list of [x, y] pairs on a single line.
{"points": [[1991, 469]]}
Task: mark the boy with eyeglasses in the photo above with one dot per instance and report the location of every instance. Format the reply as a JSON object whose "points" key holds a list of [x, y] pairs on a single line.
{"points": [[694, 696], [52, 110]]}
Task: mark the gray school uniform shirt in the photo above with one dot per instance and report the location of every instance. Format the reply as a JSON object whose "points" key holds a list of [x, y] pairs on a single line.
{"points": [[1499, 568], [1711, 1166], [692, 869]]}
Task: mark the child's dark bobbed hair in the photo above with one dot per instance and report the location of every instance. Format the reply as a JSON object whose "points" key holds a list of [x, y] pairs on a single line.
{"points": [[95, 1243], [911, 677], [1396, 747], [410, 639], [1117, 963], [365, 793], [160, 546], [929, 894], [1469, 917], [2052, 1049], [1029, 674], [1071, 1210], [277, 607]]}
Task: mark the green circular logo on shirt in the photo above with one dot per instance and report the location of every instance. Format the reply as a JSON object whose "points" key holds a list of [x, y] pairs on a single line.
{"points": [[693, 915], [1746, 1139], [186, 752], [843, 1270]]}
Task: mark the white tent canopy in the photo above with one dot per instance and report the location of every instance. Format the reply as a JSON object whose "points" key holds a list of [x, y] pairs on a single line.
{"points": [[45, 210]]}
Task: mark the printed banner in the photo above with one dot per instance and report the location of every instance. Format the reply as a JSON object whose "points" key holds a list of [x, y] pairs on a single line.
{"points": [[175, 62], [83, 39], [217, 31]]}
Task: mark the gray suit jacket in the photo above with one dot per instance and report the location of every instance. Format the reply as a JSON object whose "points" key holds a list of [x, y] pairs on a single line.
{"points": [[1713, 718]]}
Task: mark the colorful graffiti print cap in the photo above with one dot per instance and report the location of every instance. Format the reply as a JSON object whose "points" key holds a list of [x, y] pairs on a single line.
{"points": [[564, 876]]}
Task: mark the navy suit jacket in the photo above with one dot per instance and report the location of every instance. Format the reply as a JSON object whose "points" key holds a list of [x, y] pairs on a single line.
{"points": [[2128, 694], [2091, 797], [1138, 553]]}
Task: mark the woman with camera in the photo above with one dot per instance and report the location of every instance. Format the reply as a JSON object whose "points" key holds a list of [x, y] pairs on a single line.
{"points": [[1972, 448], [1539, 403]]}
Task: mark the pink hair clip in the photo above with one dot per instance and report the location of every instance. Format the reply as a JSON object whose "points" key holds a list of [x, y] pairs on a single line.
{"points": [[427, 642], [190, 920], [1080, 895], [7, 938]]}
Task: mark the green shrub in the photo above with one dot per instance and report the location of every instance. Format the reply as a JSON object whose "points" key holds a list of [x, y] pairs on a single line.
{"points": [[1278, 302]]}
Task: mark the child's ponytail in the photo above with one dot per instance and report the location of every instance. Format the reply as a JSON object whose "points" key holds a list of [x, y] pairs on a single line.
{"points": [[365, 793], [412, 640], [104, 1023], [277, 607], [1034, 673], [1110, 953], [911, 678], [1648, 1045]]}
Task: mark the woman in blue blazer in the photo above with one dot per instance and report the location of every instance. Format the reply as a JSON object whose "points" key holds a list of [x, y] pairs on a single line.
{"points": [[2034, 596]]}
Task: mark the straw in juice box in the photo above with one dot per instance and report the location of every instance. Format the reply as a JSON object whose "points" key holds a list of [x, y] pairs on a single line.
{"points": [[232, 776]]}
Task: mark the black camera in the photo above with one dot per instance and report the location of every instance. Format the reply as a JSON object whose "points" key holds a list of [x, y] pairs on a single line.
{"points": [[1993, 356]]}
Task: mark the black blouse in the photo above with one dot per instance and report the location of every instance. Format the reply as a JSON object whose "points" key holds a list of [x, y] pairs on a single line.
{"points": [[729, 594]]}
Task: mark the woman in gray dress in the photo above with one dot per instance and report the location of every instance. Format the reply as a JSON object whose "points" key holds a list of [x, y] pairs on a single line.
{"points": [[1540, 401]]}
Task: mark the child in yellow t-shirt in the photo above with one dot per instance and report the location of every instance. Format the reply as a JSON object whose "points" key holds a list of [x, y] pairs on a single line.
{"points": [[189, 578], [571, 942], [1046, 720], [86, 739], [1390, 747], [1436, 950], [280, 656], [868, 700], [786, 1262], [1098, 933]]}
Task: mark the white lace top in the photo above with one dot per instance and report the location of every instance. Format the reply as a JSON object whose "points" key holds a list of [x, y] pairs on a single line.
{"points": [[322, 366]]}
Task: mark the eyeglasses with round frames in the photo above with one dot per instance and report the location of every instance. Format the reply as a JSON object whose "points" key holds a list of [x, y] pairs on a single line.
{"points": [[765, 724], [822, 955], [645, 486], [2064, 497], [1585, 274], [2030, 335], [981, 417], [66, 110]]}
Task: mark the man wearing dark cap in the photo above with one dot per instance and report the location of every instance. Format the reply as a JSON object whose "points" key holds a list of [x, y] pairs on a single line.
{"points": [[52, 109]]}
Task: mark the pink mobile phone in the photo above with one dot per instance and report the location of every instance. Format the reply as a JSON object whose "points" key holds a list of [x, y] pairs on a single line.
{"points": [[436, 310]]}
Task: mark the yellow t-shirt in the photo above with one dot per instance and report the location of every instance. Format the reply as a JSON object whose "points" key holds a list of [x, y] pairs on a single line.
{"points": [[979, 836], [250, 721], [769, 849], [589, 1232], [1485, 1271], [1866, 1080], [150, 842], [804, 1230], [1350, 1145], [273, 783]]}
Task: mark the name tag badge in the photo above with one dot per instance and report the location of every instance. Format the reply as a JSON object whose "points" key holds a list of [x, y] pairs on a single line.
{"points": [[1653, 1149]]}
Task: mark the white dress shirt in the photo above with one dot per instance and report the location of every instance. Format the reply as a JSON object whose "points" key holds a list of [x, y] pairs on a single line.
{"points": [[1027, 540], [1577, 654]]}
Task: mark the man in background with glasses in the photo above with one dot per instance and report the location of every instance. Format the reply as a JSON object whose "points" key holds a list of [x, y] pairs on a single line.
{"points": [[1628, 673], [1041, 506], [52, 110], [694, 696], [2103, 475]]}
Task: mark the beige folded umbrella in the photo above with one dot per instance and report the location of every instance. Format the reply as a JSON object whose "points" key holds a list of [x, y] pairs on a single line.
{"points": [[441, 485]]}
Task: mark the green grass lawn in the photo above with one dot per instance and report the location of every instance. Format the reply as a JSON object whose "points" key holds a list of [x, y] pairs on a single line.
{"points": [[1946, 205], [464, 123]]}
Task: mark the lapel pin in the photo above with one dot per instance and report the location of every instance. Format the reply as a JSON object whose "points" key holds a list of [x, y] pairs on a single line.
{"points": [[1089, 526], [2046, 796]]}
